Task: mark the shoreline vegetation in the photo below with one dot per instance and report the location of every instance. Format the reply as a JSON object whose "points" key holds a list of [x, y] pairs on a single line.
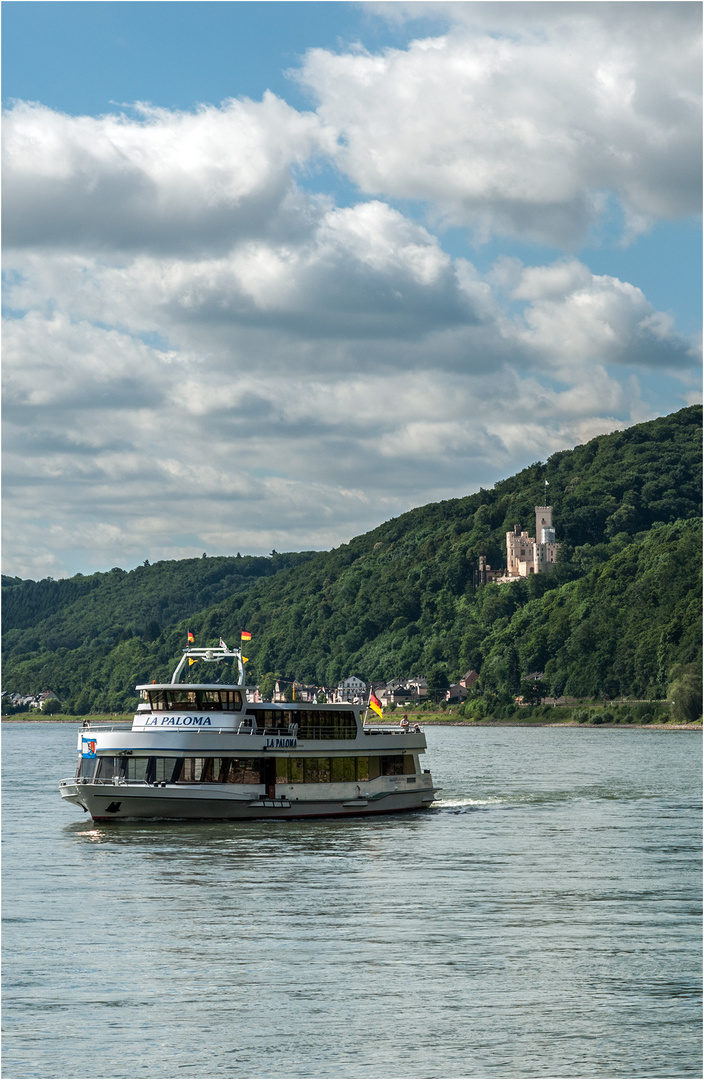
{"points": [[540, 716], [617, 620]]}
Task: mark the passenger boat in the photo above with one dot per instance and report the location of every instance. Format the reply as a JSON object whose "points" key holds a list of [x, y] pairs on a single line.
{"points": [[204, 751]]}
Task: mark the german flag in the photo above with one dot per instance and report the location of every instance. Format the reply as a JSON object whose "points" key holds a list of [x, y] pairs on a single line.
{"points": [[191, 638], [245, 635], [375, 704]]}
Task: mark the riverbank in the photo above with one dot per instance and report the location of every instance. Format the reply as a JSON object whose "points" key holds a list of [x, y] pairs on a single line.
{"points": [[426, 720]]}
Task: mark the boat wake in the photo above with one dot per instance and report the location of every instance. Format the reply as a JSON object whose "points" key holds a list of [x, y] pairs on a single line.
{"points": [[466, 806]]}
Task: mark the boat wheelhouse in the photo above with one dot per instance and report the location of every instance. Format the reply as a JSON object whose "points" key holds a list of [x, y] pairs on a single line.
{"points": [[204, 751]]}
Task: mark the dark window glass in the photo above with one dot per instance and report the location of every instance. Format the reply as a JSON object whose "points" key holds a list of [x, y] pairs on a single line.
{"points": [[374, 769], [316, 770], [342, 770], [193, 770], [295, 770], [161, 770], [362, 768], [178, 700], [245, 771], [326, 724], [208, 700], [392, 765], [409, 765], [136, 768], [107, 768], [86, 767]]}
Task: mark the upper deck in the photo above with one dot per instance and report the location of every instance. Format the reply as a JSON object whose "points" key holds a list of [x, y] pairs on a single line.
{"points": [[177, 716]]}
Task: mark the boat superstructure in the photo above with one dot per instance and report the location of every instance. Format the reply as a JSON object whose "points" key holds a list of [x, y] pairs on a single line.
{"points": [[204, 751]]}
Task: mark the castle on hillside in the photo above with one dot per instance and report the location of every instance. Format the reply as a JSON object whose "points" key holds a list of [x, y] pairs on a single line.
{"points": [[526, 555]]}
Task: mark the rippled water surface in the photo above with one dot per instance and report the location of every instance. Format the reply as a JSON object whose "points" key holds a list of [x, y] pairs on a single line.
{"points": [[542, 921]]}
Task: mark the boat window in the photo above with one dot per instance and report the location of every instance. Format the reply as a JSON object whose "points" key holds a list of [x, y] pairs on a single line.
{"points": [[161, 770], [201, 700], [181, 699], [342, 769], [136, 768], [231, 700], [295, 770], [245, 771], [86, 767], [409, 765], [374, 769], [392, 765], [326, 724], [316, 770], [268, 718], [325, 770], [312, 723], [107, 768], [208, 699], [191, 771]]}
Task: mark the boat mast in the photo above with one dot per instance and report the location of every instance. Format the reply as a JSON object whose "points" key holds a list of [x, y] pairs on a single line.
{"points": [[212, 655]]}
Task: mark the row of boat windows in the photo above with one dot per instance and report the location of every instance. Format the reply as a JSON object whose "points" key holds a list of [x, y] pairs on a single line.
{"points": [[312, 723], [190, 700], [215, 770]]}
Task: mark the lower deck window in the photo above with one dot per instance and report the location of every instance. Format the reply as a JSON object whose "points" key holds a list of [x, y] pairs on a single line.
{"points": [[338, 770], [220, 770], [86, 767]]}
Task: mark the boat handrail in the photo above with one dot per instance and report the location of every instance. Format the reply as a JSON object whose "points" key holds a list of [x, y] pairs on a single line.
{"points": [[123, 726], [376, 729]]}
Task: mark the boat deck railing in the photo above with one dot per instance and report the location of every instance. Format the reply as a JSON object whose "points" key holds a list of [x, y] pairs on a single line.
{"points": [[243, 728], [376, 729], [124, 725]]}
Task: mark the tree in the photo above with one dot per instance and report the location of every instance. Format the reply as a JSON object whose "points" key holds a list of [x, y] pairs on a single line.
{"points": [[266, 686], [685, 692], [513, 670], [533, 691], [437, 677]]}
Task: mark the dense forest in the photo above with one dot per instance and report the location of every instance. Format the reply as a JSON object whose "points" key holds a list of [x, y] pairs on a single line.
{"points": [[619, 615]]}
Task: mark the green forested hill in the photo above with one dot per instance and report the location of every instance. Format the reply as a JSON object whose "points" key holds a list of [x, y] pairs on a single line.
{"points": [[620, 610]]}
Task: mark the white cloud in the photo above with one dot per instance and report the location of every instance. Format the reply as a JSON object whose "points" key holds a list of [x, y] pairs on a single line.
{"points": [[160, 181], [203, 356], [522, 121], [577, 317]]}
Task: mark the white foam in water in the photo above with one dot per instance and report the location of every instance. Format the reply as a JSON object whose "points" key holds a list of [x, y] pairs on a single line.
{"points": [[457, 804]]}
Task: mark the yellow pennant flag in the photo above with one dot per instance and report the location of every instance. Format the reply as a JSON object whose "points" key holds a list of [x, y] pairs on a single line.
{"points": [[191, 661], [245, 659]]}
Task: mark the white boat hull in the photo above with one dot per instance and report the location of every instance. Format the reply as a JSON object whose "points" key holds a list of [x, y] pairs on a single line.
{"points": [[107, 802]]}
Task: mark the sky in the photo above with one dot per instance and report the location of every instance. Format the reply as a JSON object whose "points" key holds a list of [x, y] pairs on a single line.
{"points": [[275, 273]]}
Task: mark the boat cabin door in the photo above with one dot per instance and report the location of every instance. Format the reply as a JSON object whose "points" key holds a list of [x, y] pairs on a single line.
{"points": [[270, 777]]}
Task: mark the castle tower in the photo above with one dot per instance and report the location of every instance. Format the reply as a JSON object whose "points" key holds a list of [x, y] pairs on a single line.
{"points": [[544, 531]]}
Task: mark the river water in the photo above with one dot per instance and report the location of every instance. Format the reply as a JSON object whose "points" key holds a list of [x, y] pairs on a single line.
{"points": [[542, 921]]}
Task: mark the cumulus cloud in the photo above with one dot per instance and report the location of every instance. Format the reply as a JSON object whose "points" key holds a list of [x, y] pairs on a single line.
{"points": [[576, 317], [156, 181], [526, 121], [203, 355]]}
